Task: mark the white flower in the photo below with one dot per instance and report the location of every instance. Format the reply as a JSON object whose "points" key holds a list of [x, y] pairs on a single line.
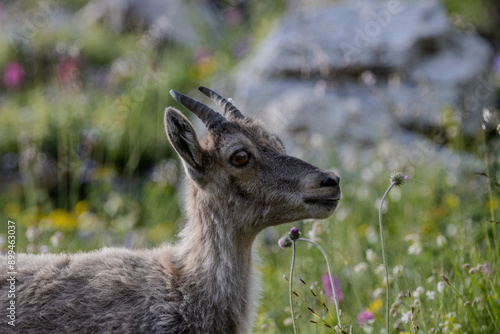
{"points": [[431, 295], [371, 256], [398, 271], [31, 233], [441, 241], [419, 291], [440, 287], [44, 249], [378, 292], [415, 248], [412, 237], [380, 270], [360, 267], [406, 317]]}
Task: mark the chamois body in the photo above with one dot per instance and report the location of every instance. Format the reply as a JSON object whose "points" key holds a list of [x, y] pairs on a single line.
{"points": [[240, 181]]}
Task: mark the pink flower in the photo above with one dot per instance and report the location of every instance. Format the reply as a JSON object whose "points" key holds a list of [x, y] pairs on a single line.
{"points": [[328, 288], [13, 75], [365, 317], [67, 71]]}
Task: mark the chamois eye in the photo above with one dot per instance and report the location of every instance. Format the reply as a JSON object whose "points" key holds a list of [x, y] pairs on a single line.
{"points": [[240, 158]]}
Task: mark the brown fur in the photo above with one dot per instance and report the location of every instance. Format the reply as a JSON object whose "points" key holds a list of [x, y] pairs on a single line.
{"points": [[206, 283]]}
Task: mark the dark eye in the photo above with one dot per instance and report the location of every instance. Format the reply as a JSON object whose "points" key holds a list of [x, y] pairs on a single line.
{"points": [[240, 158]]}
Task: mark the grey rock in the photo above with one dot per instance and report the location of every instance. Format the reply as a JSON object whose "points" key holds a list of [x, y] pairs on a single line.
{"points": [[362, 72]]}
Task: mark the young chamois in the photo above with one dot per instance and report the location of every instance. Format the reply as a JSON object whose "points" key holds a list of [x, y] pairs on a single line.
{"points": [[240, 181]]}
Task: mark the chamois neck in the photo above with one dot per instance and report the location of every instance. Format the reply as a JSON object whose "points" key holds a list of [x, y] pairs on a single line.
{"points": [[212, 238], [215, 258]]}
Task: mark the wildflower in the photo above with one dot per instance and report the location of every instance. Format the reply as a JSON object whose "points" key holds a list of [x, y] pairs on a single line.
{"points": [[431, 295], [473, 270], [416, 245], [285, 242], [406, 317], [31, 233], [398, 178], [66, 72], [366, 317], [81, 207], [394, 308], [371, 256], [378, 292], [294, 233], [328, 288], [30, 248], [13, 75], [486, 115], [44, 249], [398, 271], [415, 248], [317, 228], [63, 220], [56, 239], [360, 267], [418, 292], [440, 287], [380, 270], [484, 268], [288, 321], [450, 325], [375, 305], [441, 241], [466, 266]]}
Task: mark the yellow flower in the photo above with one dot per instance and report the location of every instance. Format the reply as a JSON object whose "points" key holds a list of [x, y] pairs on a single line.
{"points": [[375, 305], [81, 207], [11, 210], [60, 219], [452, 201], [362, 229]]}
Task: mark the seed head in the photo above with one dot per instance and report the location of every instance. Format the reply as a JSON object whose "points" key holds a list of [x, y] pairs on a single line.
{"points": [[398, 178]]}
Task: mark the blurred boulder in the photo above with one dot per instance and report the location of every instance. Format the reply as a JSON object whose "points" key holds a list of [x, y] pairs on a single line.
{"points": [[167, 20], [362, 72]]}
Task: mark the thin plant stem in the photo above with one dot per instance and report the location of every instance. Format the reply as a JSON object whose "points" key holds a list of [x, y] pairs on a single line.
{"points": [[490, 193], [387, 298], [327, 259], [290, 291], [466, 306]]}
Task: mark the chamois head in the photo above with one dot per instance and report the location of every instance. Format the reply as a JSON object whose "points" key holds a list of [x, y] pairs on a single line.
{"points": [[242, 169]]}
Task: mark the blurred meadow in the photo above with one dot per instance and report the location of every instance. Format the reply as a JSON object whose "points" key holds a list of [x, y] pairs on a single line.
{"points": [[85, 163]]}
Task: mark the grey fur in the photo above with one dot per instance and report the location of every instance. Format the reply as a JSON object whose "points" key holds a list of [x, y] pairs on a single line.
{"points": [[205, 283]]}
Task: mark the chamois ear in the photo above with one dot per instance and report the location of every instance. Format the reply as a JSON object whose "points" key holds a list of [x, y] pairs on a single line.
{"points": [[183, 138]]}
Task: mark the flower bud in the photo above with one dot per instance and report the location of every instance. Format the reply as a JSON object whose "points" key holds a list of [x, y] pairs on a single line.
{"points": [[285, 242], [294, 233]]}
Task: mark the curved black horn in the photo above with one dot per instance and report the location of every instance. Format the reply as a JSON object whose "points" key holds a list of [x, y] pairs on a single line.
{"points": [[208, 116], [227, 107]]}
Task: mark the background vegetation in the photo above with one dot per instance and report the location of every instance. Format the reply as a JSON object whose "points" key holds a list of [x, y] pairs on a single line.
{"points": [[85, 163]]}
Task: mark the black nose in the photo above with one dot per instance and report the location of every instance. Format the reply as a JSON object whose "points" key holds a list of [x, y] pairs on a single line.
{"points": [[330, 182]]}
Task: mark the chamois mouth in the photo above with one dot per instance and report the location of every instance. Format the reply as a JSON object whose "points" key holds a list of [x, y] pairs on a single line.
{"points": [[323, 201]]}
